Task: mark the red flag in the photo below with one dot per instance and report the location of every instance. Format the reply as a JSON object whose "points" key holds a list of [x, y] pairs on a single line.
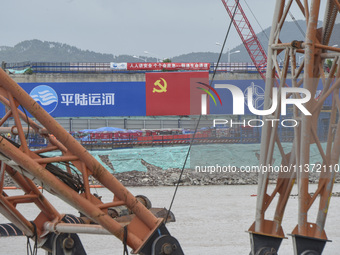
{"points": [[169, 93]]}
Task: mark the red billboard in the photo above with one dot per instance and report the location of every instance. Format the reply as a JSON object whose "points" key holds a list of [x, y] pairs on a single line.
{"points": [[174, 93], [168, 66]]}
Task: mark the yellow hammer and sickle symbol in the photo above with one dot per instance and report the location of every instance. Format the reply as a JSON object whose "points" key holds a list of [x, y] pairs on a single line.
{"points": [[162, 88]]}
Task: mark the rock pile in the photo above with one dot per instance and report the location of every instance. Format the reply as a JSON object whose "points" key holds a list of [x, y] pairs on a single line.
{"points": [[156, 176]]}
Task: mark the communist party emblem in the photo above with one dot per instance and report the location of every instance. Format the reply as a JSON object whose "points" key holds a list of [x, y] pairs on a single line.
{"points": [[160, 86]]}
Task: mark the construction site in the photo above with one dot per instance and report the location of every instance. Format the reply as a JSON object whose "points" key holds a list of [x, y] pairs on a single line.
{"points": [[178, 158]]}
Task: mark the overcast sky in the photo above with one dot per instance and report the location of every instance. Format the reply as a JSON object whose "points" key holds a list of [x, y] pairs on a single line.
{"points": [[163, 28]]}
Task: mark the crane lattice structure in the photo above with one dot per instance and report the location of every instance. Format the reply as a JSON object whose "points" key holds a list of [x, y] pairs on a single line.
{"points": [[247, 35], [142, 229], [309, 237]]}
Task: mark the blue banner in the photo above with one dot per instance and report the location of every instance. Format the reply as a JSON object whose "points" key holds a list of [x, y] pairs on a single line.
{"points": [[258, 87], [89, 99], [227, 99], [105, 99]]}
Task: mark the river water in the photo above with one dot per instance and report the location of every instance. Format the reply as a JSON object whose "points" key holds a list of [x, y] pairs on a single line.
{"points": [[209, 220]]}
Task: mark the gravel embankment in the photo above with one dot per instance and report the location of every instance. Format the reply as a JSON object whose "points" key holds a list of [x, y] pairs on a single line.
{"points": [[155, 176]]}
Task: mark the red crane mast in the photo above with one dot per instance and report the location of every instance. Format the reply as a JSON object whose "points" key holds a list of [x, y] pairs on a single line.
{"points": [[247, 35]]}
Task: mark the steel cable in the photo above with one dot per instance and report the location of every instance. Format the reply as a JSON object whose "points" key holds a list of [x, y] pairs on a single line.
{"points": [[200, 116]]}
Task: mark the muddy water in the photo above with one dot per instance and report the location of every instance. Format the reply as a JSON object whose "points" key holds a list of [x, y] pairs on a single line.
{"points": [[210, 220]]}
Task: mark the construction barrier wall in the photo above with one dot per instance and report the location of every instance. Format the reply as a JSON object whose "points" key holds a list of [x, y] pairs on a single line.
{"points": [[163, 94]]}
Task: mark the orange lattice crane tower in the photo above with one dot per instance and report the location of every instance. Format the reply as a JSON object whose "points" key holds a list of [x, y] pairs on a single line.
{"points": [[142, 230], [309, 237]]}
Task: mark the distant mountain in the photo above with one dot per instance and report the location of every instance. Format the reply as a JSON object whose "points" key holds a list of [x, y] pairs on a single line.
{"points": [[39, 51], [44, 51], [290, 31], [36, 50]]}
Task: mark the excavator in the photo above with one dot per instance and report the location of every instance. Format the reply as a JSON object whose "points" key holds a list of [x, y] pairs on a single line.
{"points": [[143, 228]]}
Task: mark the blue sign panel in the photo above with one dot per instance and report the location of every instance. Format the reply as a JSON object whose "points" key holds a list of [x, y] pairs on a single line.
{"points": [[46, 97], [258, 87], [227, 99], [89, 99]]}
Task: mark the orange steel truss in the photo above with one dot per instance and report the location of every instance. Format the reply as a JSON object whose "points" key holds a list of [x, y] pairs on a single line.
{"points": [[29, 168], [267, 234]]}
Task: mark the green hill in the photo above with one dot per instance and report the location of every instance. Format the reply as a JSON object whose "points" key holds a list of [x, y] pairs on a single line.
{"points": [[44, 51]]}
